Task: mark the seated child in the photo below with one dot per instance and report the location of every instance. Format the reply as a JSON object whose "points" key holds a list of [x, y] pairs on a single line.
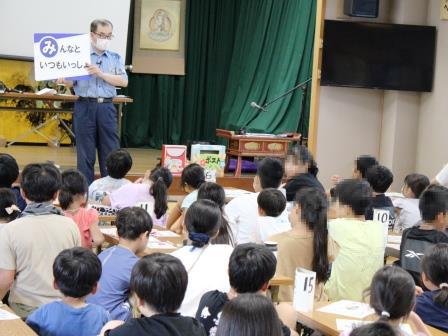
{"points": [[251, 267], [216, 193], [271, 204], [432, 306], [249, 315], [118, 164], [158, 283], [206, 264], [392, 296], [152, 189], [301, 171], [76, 273], [8, 206], [9, 172], [133, 228], [361, 242], [307, 244], [380, 179], [416, 240], [193, 176], [73, 200], [407, 207]]}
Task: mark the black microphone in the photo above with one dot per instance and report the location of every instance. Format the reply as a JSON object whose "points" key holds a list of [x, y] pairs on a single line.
{"points": [[254, 104]]}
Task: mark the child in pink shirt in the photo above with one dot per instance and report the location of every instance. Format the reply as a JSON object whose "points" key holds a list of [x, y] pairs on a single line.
{"points": [[73, 199]]}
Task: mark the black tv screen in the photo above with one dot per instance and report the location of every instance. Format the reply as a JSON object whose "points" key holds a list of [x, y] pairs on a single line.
{"points": [[377, 55]]}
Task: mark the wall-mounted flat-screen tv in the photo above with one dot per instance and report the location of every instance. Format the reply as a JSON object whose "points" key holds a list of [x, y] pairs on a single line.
{"points": [[378, 55]]}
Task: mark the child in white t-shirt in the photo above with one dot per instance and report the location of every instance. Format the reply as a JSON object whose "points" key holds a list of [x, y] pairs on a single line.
{"points": [[407, 207], [271, 204]]}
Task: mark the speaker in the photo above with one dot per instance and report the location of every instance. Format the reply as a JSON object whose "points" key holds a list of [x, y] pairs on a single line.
{"points": [[361, 8]]}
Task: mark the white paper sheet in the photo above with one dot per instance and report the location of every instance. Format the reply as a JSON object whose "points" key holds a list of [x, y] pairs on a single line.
{"points": [[111, 231], [348, 308], [393, 239], [6, 315], [163, 234]]}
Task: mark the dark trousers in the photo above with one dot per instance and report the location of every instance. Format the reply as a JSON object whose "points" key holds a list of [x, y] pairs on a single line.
{"points": [[95, 126]]}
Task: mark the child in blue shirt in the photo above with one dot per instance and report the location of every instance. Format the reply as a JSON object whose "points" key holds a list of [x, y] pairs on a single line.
{"points": [[133, 228], [76, 273], [432, 306]]}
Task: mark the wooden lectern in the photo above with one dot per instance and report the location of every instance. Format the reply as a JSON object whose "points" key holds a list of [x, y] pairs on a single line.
{"points": [[253, 145]]}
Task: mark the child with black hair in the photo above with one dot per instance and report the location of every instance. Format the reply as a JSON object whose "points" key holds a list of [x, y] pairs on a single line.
{"points": [[416, 240], [380, 179], [76, 273], [408, 213], [151, 189], [432, 305], [361, 242], [118, 164], [392, 296], [133, 228], [271, 204], [206, 264], [301, 171], [251, 267], [29, 244], [73, 200], [9, 172], [8, 206], [307, 244], [243, 210], [158, 284], [191, 179], [216, 193], [249, 315]]}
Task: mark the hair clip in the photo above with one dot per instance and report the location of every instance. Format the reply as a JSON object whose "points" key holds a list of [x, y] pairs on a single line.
{"points": [[385, 314], [443, 285], [11, 209]]}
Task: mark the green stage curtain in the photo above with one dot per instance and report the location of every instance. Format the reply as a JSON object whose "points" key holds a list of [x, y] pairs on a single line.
{"points": [[238, 51]]}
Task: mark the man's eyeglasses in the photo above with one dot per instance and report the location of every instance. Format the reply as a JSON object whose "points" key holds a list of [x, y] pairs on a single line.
{"points": [[102, 36]]}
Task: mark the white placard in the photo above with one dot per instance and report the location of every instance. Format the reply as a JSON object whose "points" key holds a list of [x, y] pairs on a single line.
{"points": [[382, 216], [304, 288], [210, 175], [348, 308], [61, 55]]}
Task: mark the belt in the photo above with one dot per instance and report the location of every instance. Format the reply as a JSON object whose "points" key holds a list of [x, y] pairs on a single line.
{"points": [[96, 100]]}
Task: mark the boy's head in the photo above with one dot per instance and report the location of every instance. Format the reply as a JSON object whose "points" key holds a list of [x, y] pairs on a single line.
{"points": [[380, 178], [362, 164], [118, 163], [271, 202], [251, 266], [192, 176], [40, 182], [269, 174], [159, 281], [351, 198], [134, 224], [9, 170], [76, 272], [414, 185], [433, 205]]}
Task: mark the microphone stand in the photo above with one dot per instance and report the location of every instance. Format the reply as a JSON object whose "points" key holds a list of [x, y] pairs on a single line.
{"points": [[302, 85]]}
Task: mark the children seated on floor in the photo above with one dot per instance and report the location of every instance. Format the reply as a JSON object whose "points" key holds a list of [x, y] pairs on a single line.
{"points": [[408, 213], [307, 244], [151, 189], [392, 296], [29, 244], [76, 273], [206, 264], [251, 267], [9, 172], [271, 204], [361, 242], [8, 206], [242, 211], [118, 164], [158, 284], [416, 240], [133, 228], [432, 305], [73, 200]]}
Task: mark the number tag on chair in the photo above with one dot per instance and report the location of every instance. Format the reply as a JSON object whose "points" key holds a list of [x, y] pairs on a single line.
{"points": [[382, 216], [210, 175], [145, 206], [304, 288]]}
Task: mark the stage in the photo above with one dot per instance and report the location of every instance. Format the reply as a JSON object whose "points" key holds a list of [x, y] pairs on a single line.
{"points": [[143, 159]]}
